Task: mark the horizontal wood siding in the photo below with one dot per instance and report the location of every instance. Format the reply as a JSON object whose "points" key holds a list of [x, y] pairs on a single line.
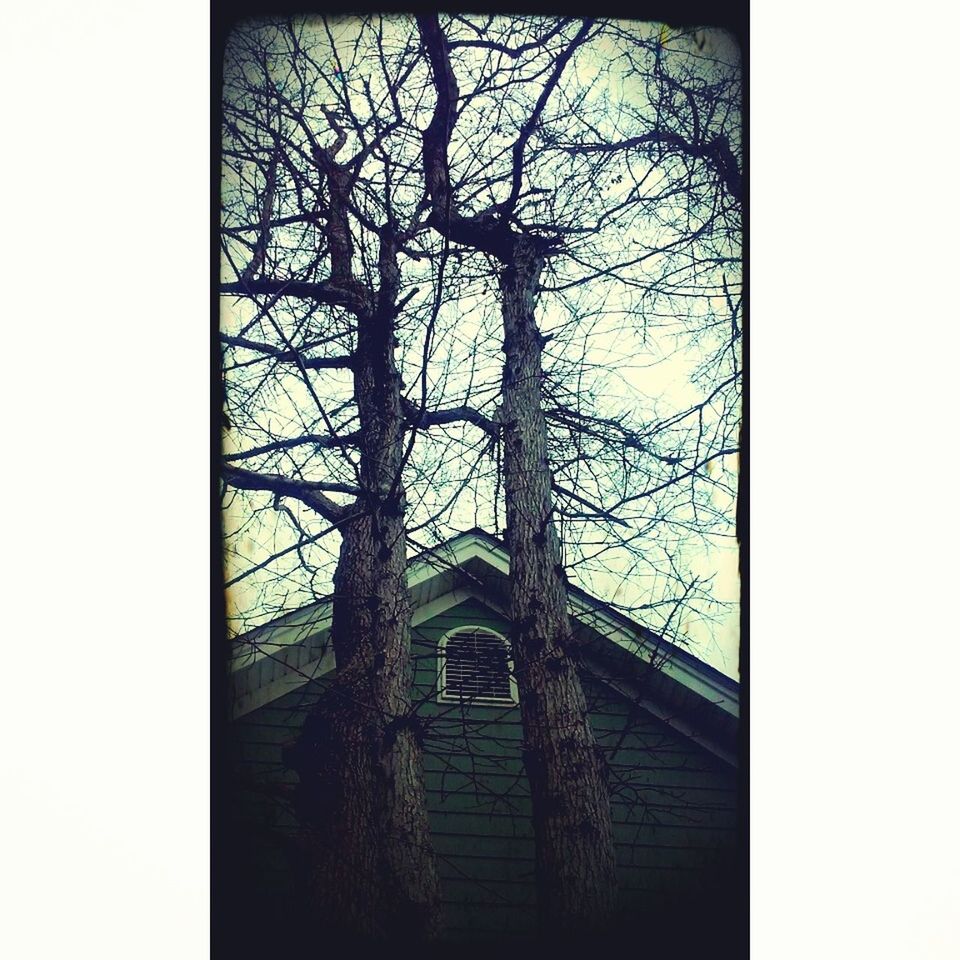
{"points": [[673, 803]]}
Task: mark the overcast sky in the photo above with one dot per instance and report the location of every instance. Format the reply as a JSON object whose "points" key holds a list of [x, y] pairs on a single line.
{"points": [[646, 372]]}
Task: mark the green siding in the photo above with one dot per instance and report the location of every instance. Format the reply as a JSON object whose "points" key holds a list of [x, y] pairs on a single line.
{"points": [[673, 804]]}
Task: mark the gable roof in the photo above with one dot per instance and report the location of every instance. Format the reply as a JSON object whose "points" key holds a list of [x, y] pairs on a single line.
{"points": [[692, 696]]}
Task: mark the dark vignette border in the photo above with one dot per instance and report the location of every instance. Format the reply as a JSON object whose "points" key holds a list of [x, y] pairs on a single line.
{"points": [[731, 15]]}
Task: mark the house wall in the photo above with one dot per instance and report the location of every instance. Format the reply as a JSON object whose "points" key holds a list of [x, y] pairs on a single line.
{"points": [[674, 804]]}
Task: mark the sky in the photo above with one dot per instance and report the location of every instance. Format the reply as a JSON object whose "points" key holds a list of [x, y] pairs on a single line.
{"points": [[652, 372]]}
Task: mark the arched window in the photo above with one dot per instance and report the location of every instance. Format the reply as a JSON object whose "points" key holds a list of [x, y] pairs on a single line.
{"points": [[475, 666]]}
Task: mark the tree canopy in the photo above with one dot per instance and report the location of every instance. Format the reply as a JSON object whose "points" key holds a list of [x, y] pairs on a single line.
{"points": [[623, 159]]}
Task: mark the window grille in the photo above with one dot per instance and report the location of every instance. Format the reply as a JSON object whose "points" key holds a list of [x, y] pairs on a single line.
{"points": [[476, 667]]}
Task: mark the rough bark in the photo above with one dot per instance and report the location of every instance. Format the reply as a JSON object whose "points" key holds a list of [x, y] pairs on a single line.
{"points": [[359, 757], [337, 805], [380, 615], [575, 863], [376, 872], [572, 827]]}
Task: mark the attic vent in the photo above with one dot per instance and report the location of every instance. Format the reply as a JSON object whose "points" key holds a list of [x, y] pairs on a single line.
{"points": [[475, 666]]}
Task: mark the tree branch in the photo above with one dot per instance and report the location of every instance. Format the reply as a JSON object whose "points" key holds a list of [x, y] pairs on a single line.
{"points": [[309, 493], [716, 153], [527, 129], [486, 231], [436, 418], [322, 441], [346, 294], [598, 511], [311, 363]]}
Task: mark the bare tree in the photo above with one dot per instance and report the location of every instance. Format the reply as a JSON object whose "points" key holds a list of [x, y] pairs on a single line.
{"points": [[575, 859], [521, 228], [359, 757]]}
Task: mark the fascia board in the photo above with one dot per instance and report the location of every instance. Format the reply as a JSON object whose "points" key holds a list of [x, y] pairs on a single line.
{"points": [[455, 554], [684, 673], [275, 636], [631, 693]]}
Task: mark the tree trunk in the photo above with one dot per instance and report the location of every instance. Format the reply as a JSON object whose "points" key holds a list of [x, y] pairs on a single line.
{"points": [[571, 807], [410, 881], [337, 801], [376, 875], [576, 875], [384, 822]]}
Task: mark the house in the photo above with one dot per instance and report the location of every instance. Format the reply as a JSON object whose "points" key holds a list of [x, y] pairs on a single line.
{"points": [[666, 721]]}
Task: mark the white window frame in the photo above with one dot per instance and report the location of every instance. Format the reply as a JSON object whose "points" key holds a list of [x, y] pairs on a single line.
{"points": [[473, 701]]}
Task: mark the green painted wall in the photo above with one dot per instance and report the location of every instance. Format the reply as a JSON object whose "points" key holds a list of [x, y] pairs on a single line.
{"points": [[674, 804]]}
